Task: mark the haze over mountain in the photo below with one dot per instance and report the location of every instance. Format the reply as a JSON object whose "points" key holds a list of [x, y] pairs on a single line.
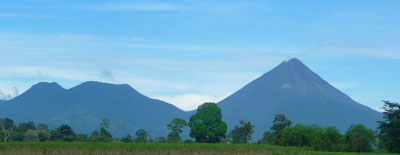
{"points": [[294, 90], [84, 106]]}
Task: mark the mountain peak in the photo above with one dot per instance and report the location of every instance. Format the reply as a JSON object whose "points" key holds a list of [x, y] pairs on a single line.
{"points": [[101, 84], [47, 85], [294, 61], [91, 86]]}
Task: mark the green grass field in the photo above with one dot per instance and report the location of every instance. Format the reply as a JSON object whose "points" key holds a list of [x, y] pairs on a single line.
{"points": [[117, 148]]}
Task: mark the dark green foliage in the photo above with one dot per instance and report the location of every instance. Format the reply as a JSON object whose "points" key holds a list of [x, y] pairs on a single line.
{"points": [[267, 138], [175, 128], [7, 127], [127, 139], [20, 131], [43, 132], [65, 133], [243, 133], [390, 127], [280, 122], [23, 127], [55, 135], [141, 136], [360, 139], [206, 126], [104, 132], [299, 135], [330, 140], [17, 136]]}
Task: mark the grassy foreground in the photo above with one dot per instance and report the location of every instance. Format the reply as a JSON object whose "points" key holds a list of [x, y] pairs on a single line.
{"points": [[116, 148]]}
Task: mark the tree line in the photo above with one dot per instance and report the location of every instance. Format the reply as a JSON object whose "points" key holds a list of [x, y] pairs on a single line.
{"points": [[206, 126]]}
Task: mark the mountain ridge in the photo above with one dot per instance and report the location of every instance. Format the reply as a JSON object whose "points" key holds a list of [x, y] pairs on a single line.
{"points": [[291, 88], [85, 105]]}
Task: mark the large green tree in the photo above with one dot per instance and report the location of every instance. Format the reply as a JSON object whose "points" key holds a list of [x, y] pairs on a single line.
{"points": [[390, 127], [175, 128], [242, 134], [66, 133], [7, 127], [279, 123], [360, 139], [206, 126]]}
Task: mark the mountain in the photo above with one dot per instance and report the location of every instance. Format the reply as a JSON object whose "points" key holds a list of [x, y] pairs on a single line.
{"points": [[84, 106], [294, 90]]}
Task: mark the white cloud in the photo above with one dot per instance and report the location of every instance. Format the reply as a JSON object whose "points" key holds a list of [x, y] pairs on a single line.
{"points": [[189, 102], [4, 96]]}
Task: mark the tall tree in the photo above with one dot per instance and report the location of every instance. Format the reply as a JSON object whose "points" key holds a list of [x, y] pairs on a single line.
{"points": [[206, 126], [279, 123], [242, 134], [7, 127], [66, 133], [175, 128], [390, 127], [360, 139]]}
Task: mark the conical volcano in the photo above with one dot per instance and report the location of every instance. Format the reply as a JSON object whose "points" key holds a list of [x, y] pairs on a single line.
{"points": [[294, 90]]}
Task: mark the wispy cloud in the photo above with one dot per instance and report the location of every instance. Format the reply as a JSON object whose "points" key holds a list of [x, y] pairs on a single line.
{"points": [[4, 96]]}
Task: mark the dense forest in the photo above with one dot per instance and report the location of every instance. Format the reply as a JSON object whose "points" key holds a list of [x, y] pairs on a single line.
{"points": [[206, 126]]}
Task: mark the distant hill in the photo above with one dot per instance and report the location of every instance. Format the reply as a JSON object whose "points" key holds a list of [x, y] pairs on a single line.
{"points": [[84, 106], [294, 90]]}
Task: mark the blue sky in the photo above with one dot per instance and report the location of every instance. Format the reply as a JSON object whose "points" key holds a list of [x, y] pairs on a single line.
{"points": [[189, 52]]}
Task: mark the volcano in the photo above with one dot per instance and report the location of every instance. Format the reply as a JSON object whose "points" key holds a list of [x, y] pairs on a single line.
{"points": [[301, 95]]}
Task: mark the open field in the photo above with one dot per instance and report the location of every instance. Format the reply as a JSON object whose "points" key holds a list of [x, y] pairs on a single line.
{"points": [[116, 148]]}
